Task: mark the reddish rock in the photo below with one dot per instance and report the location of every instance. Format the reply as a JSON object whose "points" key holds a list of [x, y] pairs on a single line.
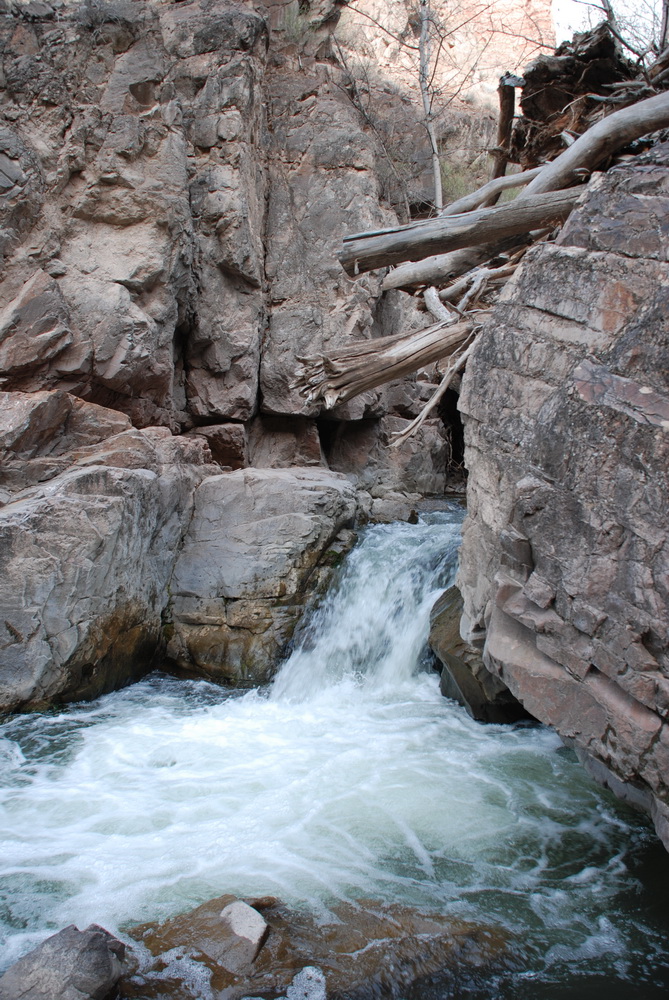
{"points": [[565, 562]]}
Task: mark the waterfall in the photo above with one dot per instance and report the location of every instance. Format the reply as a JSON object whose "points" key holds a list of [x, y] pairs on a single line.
{"points": [[350, 777]]}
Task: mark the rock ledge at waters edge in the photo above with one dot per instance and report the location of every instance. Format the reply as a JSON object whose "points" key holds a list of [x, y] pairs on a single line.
{"points": [[367, 949], [87, 558]]}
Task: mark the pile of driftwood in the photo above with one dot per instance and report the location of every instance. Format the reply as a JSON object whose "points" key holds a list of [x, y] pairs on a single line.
{"points": [[459, 260]]}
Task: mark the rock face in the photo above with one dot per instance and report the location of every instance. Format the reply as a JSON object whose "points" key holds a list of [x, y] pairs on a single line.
{"points": [[257, 544], [565, 563], [172, 193], [172, 197], [70, 965]]}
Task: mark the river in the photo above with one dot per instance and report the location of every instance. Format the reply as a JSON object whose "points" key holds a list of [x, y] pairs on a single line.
{"points": [[349, 777]]}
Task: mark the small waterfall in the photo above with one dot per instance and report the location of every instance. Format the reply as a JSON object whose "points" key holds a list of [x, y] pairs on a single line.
{"points": [[373, 626], [349, 778]]}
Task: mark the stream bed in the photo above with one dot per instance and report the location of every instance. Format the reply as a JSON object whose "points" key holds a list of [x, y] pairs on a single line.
{"points": [[349, 778]]}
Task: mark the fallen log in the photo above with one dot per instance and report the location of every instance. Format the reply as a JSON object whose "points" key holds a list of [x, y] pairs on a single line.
{"points": [[367, 364], [437, 269], [456, 232]]}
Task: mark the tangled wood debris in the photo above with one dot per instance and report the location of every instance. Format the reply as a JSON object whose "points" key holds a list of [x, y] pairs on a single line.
{"points": [[586, 98]]}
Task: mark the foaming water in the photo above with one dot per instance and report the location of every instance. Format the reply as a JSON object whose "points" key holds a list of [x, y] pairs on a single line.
{"points": [[349, 778]]}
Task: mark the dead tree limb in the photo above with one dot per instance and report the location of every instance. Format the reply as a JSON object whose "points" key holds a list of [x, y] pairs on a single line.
{"points": [[434, 304], [368, 364], [490, 190], [457, 231], [598, 143], [437, 269], [457, 364], [507, 107]]}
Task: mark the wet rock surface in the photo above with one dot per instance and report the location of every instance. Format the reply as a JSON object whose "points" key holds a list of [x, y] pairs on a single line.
{"points": [[360, 951], [564, 561], [464, 676], [70, 965]]}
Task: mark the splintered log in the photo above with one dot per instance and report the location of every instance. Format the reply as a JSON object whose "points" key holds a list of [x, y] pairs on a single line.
{"points": [[599, 142], [368, 364], [455, 232]]}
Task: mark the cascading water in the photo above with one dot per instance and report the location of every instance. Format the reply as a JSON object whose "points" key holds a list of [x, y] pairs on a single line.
{"points": [[349, 777]]}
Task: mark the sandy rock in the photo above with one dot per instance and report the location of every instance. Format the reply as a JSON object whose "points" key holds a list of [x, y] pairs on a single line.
{"points": [[70, 965], [564, 556], [256, 539]]}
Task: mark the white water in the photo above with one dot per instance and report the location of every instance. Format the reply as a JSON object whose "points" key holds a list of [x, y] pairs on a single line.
{"points": [[350, 777]]}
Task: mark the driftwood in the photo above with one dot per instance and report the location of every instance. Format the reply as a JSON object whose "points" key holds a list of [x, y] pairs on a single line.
{"points": [[458, 362], [368, 364], [457, 231], [366, 251]]}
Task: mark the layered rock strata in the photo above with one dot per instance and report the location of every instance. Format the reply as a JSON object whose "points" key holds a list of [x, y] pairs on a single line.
{"points": [[565, 562]]}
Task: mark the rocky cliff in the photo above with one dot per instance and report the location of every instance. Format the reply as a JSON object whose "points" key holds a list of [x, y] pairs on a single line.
{"points": [[172, 190], [565, 563]]}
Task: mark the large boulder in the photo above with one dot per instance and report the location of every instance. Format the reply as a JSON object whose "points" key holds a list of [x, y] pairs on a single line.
{"points": [[565, 554], [257, 543], [70, 965], [85, 563]]}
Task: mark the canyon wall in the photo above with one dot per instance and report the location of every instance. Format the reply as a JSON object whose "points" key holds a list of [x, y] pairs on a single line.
{"points": [[172, 193], [565, 561]]}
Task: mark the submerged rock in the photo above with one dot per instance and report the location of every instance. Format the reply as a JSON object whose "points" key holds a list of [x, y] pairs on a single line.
{"points": [[362, 950], [70, 965]]}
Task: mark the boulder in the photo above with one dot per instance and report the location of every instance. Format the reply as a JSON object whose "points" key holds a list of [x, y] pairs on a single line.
{"points": [[464, 676], [85, 563], [227, 442], [256, 544], [70, 965]]}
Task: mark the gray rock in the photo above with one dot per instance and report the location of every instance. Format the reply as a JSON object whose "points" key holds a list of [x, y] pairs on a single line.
{"points": [[85, 562], [252, 551], [70, 965], [308, 984]]}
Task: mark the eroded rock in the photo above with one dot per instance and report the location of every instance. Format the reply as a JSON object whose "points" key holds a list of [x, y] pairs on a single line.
{"points": [[366, 950]]}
